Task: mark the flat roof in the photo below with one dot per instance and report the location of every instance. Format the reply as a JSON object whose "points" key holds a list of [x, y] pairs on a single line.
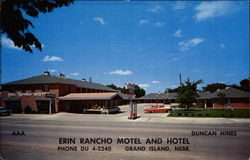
{"points": [[90, 96]]}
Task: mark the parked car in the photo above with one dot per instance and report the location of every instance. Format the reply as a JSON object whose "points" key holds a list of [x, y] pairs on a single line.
{"points": [[5, 111], [111, 110], [157, 109]]}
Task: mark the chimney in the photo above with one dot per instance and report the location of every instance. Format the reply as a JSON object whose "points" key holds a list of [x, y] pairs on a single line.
{"points": [[90, 79], [47, 73], [62, 75]]}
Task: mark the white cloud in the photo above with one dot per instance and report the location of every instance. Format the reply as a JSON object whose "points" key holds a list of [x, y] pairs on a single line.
{"points": [[120, 72], [155, 82], [8, 43], [179, 5], [206, 10], [159, 24], [222, 45], [143, 21], [197, 70], [143, 85], [154, 9], [52, 58], [190, 43], [177, 33], [174, 86], [75, 74], [100, 20], [52, 70]]}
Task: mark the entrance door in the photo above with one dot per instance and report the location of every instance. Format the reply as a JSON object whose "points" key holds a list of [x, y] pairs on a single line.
{"points": [[43, 106]]}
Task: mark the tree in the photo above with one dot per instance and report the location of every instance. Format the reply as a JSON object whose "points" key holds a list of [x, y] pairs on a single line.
{"points": [[27, 109], [244, 85], [16, 27], [222, 98], [123, 90], [139, 92], [214, 87], [169, 90], [187, 93], [234, 86], [112, 86]]}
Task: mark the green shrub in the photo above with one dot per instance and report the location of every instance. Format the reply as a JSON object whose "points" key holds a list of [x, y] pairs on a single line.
{"points": [[236, 113], [27, 110]]}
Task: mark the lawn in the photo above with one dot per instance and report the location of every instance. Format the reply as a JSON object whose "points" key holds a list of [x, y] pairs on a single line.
{"points": [[236, 113]]}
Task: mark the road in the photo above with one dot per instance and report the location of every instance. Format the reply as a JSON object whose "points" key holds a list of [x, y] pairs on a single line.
{"points": [[41, 140]]}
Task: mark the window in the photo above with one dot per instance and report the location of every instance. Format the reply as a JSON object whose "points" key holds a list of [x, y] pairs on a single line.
{"points": [[45, 88], [66, 89], [23, 89], [12, 89], [33, 88]]}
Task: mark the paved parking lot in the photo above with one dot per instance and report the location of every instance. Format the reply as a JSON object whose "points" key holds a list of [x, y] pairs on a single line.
{"points": [[123, 117]]}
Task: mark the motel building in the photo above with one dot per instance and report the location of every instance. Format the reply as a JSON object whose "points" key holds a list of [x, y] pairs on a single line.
{"points": [[68, 95], [232, 98], [225, 98], [166, 98]]}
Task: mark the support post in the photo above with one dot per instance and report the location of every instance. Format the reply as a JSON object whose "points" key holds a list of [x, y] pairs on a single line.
{"points": [[50, 106], [213, 103]]}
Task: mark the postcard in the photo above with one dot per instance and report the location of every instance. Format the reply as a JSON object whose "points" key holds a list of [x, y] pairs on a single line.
{"points": [[124, 80]]}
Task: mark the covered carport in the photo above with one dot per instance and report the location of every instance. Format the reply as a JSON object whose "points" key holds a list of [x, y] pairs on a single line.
{"points": [[82, 102]]}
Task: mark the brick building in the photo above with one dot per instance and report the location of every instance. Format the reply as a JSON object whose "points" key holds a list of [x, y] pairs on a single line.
{"points": [[32, 92], [221, 99], [158, 98], [225, 98]]}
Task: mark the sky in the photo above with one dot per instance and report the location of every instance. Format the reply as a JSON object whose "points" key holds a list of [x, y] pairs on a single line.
{"points": [[143, 42]]}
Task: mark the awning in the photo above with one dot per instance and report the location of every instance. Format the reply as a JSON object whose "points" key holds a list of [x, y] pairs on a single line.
{"points": [[41, 98], [11, 98]]}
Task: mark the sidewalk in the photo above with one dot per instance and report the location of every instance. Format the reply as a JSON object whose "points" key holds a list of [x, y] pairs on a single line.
{"points": [[123, 117]]}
